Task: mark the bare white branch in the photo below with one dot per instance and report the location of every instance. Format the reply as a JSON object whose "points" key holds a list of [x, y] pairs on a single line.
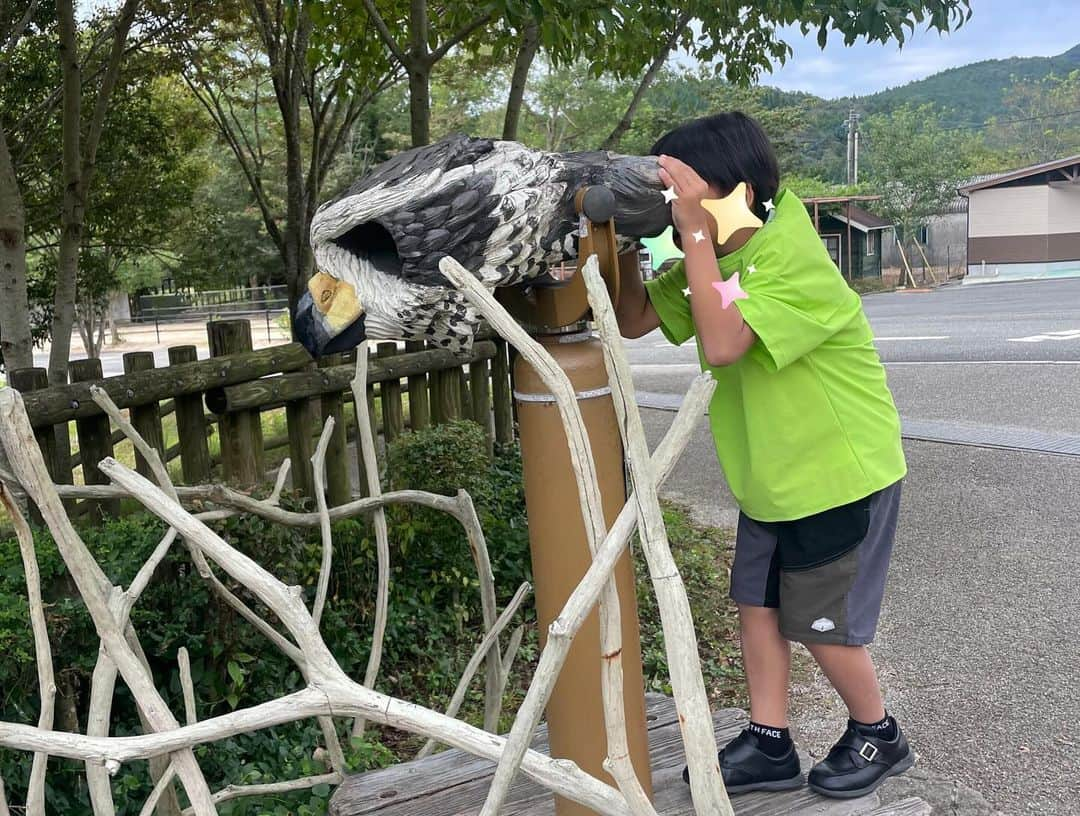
{"points": [[492, 637], [318, 464], [158, 791], [493, 682], [584, 467], [365, 440], [35, 796], [26, 462], [680, 640], [191, 713]]}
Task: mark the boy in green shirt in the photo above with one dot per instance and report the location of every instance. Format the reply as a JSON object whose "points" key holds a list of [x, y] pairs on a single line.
{"points": [[808, 438]]}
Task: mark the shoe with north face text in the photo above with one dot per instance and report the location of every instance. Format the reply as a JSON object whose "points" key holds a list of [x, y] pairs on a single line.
{"points": [[859, 762], [745, 767]]}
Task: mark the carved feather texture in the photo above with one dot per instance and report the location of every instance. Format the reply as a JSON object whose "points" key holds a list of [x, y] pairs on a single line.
{"points": [[504, 212]]}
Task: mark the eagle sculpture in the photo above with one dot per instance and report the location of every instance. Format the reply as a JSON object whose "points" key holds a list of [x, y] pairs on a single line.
{"points": [[502, 210]]}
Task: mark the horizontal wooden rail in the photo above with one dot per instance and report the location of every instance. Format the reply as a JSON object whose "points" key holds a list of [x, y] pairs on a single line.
{"points": [[257, 394], [49, 406]]}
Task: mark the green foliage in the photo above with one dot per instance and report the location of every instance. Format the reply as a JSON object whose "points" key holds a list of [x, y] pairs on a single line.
{"points": [[914, 164], [703, 556], [431, 630], [440, 458], [1041, 121], [973, 94]]}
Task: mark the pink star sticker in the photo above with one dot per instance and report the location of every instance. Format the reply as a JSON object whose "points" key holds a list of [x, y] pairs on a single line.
{"points": [[730, 290]]}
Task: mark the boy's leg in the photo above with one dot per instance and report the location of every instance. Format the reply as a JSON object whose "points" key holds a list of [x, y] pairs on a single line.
{"points": [[767, 663], [832, 607], [852, 674], [763, 756]]}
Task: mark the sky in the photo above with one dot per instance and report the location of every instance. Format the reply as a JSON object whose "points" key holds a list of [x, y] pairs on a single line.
{"points": [[997, 29]]}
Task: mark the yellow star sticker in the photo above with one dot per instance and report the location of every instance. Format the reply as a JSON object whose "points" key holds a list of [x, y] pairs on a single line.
{"points": [[662, 248], [731, 213]]}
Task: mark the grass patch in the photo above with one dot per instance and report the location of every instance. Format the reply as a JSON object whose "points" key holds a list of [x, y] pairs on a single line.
{"points": [[703, 555]]}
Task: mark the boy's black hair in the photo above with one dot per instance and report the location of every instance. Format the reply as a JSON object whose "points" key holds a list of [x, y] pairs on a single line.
{"points": [[724, 149]]}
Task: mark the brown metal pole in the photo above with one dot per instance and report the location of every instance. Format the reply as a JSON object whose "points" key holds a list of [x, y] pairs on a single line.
{"points": [[560, 556]]}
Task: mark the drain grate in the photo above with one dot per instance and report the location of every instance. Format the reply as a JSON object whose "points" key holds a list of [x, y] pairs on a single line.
{"points": [[991, 436], [951, 433]]}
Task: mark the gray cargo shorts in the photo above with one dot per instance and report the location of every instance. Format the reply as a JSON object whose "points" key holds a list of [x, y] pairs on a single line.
{"points": [[825, 573]]}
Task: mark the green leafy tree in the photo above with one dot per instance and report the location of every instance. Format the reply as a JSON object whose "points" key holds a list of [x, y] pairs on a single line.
{"points": [[257, 67], [915, 165], [1042, 120], [17, 20]]}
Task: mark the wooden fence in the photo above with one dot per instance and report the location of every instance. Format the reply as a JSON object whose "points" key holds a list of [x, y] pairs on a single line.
{"points": [[237, 384]]}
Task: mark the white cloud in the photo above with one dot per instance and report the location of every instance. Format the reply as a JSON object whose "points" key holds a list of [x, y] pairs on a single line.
{"points": [[998, 29]]}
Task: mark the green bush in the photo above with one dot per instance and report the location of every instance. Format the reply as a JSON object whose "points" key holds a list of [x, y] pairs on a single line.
{"points": [[439, 459], [431, 628]]}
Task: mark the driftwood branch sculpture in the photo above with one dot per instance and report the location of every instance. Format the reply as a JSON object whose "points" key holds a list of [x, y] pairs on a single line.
{"points": [[330, 696]]}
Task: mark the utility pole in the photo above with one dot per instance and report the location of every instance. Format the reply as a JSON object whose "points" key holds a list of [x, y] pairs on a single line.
{"points": [[853, 147]]}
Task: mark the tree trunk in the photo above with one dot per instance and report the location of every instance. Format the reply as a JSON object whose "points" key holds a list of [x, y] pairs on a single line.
{"points": [[419, 69], [73, 213], [16, 345], [530, 44], [612, 141], [420, 105]]}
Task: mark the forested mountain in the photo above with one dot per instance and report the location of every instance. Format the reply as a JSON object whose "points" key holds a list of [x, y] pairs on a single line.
{"points": [[973, 93]]}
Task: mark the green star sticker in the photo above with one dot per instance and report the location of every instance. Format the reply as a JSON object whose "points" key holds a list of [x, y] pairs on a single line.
{"points": [[662, 248]]}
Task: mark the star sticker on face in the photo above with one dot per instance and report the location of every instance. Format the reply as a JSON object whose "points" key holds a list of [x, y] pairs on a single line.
{"points": [[730, 290], [670, 195], [699, 236], [768, 205], [731, 213]]}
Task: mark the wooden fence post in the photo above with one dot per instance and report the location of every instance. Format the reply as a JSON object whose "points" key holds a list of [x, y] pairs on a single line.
{"points": [[480, 388], [419, 404], [95, 438], [145, 418], [191, 425], [300, 418], [240, 434], [338, 484], [503, 402], [25, 380], [393, 418], [464, 395]]}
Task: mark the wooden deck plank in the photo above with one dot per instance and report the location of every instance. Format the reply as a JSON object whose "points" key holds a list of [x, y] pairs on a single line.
{"points": [[454, 783], [383, 790]]}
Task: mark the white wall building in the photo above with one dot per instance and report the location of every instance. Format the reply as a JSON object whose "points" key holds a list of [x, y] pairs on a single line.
{"points": [[1025, 224]]}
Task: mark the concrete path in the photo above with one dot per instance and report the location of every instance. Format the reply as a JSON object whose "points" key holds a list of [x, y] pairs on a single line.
{"points": [[978, 641]]}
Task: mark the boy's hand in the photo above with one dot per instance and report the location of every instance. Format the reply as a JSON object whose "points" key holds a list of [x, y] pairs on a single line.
{"points": [[686, 211]]}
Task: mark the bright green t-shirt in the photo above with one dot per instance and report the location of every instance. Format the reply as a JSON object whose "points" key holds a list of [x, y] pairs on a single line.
{"points": [[804, 421]]}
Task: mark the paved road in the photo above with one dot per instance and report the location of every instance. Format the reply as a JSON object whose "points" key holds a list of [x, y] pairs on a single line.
{"points": [[997, 354], [977, 644]]}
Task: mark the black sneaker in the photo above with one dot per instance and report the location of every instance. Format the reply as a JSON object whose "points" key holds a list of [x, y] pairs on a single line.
{"points": [[858, 763], [745, 767]]}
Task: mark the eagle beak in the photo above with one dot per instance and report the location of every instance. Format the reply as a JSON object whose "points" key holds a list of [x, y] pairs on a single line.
{"points": [[328, 311]]}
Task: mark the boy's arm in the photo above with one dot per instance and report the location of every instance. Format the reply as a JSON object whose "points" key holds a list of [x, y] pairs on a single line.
{"points": [[635, 312], [721, 330]]}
